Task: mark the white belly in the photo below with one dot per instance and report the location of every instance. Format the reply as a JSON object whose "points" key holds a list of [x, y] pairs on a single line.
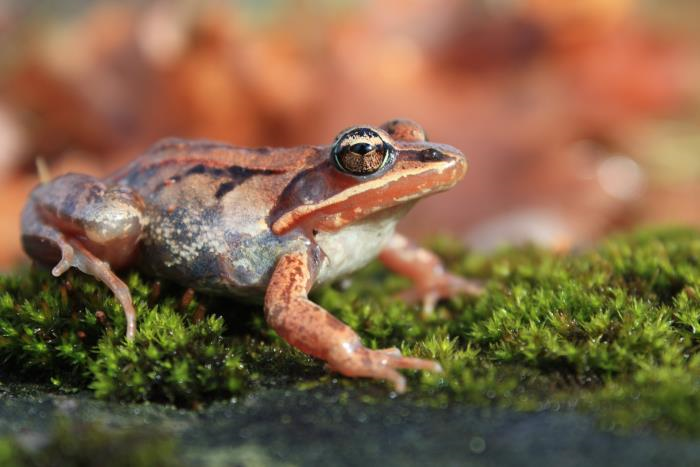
{"points": [[357, 244]]}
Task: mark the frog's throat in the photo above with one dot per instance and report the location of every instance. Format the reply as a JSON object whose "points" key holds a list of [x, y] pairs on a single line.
{"points": [[367, 198]]}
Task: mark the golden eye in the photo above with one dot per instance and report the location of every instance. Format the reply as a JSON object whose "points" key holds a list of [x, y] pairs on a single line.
{"points": [[361, 152]]}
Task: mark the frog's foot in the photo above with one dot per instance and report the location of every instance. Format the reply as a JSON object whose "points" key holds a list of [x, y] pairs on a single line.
{"points": [[444, 286], [353, 359], [432, 282], [67, 259], [74, 254]]}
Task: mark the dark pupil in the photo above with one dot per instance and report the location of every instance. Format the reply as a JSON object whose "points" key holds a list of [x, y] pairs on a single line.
{"points": [[361, 148], [361, 158]]}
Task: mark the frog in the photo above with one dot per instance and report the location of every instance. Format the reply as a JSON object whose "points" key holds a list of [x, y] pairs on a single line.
{"points": [[265, 224]]}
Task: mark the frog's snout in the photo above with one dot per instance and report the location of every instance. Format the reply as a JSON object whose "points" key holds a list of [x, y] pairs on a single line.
{"points": [[454, 159], [460, 162]]}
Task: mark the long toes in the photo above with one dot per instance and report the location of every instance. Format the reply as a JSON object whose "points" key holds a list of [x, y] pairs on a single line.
{"points": [[389, 374], [380, 364], [386, 368], [392, 351], [447, 286], [66, 262], [88, 263], [430, 300], [467, 286], [61, 267], [427, 299], [411, 363], [397, 360]]}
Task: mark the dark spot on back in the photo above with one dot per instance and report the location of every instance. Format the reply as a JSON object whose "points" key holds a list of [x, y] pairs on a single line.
{"points": [[238, 171], [233, 175], [225, 188], [197, 169]]}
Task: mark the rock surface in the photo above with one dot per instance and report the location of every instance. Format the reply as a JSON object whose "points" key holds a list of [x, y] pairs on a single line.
{"points": [[334, 427]]}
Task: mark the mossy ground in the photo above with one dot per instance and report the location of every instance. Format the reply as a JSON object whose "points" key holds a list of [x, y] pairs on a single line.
{"points": [[613, 331]]}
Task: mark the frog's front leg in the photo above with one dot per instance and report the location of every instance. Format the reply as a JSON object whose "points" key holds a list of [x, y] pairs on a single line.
{"points": [[313, 330], [77, 221], [432, 282]]}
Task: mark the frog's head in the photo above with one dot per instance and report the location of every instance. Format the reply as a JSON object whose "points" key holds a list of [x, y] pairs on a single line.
{"points": [[367, 170]]}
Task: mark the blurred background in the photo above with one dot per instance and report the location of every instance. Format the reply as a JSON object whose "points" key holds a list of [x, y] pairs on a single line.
{"points": [[578, 118]]}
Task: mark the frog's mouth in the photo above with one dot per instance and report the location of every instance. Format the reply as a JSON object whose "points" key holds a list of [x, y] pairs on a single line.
{"points": [[402, 185]]}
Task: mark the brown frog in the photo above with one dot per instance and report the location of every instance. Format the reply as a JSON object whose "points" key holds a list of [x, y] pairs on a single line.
{"points": [[266, 224]]}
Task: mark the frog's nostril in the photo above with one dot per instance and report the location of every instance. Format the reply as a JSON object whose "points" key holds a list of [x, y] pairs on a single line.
{"points": [[432, 155]]}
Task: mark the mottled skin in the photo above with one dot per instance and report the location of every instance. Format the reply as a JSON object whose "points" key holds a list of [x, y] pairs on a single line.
{"points": [[263, 224]]}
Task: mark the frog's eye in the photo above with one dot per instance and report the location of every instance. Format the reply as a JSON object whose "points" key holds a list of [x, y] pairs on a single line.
{"points": [[361, 151]]}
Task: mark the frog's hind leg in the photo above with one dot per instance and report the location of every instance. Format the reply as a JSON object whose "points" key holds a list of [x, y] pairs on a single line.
{"points": [[76, 221], [74, 254]]}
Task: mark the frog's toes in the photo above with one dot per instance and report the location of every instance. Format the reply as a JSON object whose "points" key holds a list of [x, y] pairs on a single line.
{"points": [[441, 287], [359, 361], [394, 351], [67, 259], [77, 255]]}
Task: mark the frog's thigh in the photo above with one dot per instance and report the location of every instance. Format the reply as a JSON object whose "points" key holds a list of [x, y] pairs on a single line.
{"points": [[107, 218], [313, 330]]}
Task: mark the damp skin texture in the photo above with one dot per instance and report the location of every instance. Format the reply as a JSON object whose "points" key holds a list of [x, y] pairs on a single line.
{"points": [[263, 224]]}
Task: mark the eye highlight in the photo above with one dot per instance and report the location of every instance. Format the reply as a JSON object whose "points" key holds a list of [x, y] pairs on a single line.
{"points": [[361, 151]]}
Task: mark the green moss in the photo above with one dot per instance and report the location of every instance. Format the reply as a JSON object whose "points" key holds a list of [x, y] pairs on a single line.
{"points": [[168, 360], [89, 444], [70, 333], [614, 331]]}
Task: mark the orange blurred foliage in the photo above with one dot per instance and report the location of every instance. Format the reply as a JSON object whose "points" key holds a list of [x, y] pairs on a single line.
{"points": [[538, 93]]}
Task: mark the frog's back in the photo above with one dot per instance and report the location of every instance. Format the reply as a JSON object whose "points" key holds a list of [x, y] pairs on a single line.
{"points": [[206, 206], [172, 156]]}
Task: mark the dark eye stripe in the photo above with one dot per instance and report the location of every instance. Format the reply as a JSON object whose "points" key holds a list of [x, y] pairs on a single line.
{"points": [[431, 155]]}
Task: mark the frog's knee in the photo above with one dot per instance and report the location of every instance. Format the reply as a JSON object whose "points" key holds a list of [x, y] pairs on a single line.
{"points": [[82, 205], [116, 217]]}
